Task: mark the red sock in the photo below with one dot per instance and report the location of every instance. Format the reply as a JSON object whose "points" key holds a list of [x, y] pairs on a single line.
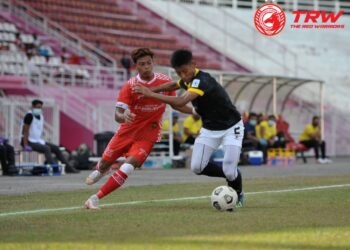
{"points": [[114, 181]]}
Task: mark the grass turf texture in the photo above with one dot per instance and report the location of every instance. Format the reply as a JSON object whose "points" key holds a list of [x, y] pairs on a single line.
{"points": [[315, 219]]}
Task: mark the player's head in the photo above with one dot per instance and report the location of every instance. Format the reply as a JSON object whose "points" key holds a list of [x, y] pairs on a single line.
{"points": [[143, 58], [183, 63], [315, 121]]}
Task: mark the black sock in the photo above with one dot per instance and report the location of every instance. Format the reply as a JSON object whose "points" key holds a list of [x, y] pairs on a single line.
{"points": [[213, 170], [237, 183]]}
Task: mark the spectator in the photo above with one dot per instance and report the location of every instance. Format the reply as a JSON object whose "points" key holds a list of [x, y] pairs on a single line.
{"points": [[65, 55], [7, 158], [282, 127], [45, 50], [33, 126], [250, 138], [80, 158], [36, 41], [176, 132], [126, 63], [268, 133], [192, 125], [311, 138]]}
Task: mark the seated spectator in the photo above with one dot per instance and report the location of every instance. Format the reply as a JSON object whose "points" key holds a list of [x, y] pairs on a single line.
{"points": [[192, 125], [282, 127], [33, 127], [36, 41], [80, 158], [268, 133], [311, 138], [65, 55], [176, 132], [45, 50], [250, 138], [7, 158]]}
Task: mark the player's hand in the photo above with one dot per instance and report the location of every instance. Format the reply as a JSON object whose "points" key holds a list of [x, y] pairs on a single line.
{"points": [[27, 148], [140, 89], [128, 116]]}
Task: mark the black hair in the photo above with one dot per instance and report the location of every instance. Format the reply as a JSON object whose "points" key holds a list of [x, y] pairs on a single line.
{"points": [[181, 57], [141, 52], [252, 114], [272, 116], [315, 117], [37, 101]]}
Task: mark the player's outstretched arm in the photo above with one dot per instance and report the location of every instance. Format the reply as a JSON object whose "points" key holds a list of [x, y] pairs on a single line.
{"points": [[177, 101], [184, 109], [169, 86]]}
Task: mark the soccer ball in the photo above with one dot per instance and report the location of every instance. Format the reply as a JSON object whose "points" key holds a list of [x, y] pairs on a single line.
{"points": [[224, 198]]}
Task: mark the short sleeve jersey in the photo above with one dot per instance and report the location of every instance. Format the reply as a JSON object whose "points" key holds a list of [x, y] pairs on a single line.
{"points": [[213, 103], [147, 123], [308, 132]]}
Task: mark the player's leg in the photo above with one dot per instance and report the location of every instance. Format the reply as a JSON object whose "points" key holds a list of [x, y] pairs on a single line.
{"points": [[200, 163], [231, 170], [137, 154], [203, 148], [232, 147], [115, 148]]}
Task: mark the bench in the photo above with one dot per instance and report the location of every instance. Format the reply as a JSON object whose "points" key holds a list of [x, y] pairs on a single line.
{"points": [[299, 149]]}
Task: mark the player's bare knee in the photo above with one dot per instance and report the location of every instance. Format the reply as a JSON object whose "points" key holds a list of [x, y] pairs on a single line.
{"points": [[103, 165], [133, 161]]}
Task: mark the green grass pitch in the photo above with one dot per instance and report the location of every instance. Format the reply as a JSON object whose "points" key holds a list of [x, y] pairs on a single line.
{"points": [[311, 219]]}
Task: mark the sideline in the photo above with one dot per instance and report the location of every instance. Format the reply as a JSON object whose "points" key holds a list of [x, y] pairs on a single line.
{"points": [[39, 211]]}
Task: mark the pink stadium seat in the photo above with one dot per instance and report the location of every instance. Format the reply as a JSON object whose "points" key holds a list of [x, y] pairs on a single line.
{"points": [[117, 28]]}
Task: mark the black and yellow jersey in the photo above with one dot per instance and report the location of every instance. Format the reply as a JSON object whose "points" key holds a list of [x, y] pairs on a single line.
{"points": [[213, 103]]}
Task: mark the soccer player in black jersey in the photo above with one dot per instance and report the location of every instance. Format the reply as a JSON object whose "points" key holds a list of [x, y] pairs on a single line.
{"points": [[222, 122]]}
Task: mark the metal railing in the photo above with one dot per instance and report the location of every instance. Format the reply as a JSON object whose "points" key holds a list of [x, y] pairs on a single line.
{"points": [[17, 63], [72, 104], [68, 39], [229, 43], [288, 5]]}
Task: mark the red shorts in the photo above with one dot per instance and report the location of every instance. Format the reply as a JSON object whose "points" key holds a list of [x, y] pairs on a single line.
{"points": [[123, 146]]}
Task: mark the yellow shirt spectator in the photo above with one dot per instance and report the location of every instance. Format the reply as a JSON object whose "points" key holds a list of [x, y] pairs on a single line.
{"points": [[165, 127], [192, 125], [309, 132], [269, 131]]}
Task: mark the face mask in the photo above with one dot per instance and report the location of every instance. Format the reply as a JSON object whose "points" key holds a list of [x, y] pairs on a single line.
{"points": [[271, 122], [252, 122], [37, 111]]}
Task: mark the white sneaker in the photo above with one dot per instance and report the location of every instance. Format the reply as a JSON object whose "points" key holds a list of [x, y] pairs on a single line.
{"points": [[321, 161], [92, 202], [93, 177], [327, 160]]}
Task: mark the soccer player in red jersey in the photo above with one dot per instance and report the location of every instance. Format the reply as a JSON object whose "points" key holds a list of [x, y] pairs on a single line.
{"points": [[140, 120]]}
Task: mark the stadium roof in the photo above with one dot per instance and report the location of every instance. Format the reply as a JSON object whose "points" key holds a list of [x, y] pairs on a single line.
{"points": [[262, 93]]}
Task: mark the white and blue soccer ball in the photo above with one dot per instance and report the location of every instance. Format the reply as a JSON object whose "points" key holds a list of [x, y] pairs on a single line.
{"points": [[224, 198]]}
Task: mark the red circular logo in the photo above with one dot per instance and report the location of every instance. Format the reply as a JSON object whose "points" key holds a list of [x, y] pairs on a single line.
{"points": [[269, 19]]}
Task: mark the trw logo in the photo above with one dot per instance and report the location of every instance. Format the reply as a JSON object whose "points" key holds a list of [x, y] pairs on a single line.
{"points": [[270, 19], [316, 19]]}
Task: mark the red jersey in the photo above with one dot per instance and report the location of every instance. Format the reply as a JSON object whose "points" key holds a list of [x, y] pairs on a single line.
{"points": [[147, 123]]}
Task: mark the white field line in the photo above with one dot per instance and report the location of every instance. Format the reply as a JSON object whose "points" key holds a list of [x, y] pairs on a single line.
{"points": [[39, 211]]}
